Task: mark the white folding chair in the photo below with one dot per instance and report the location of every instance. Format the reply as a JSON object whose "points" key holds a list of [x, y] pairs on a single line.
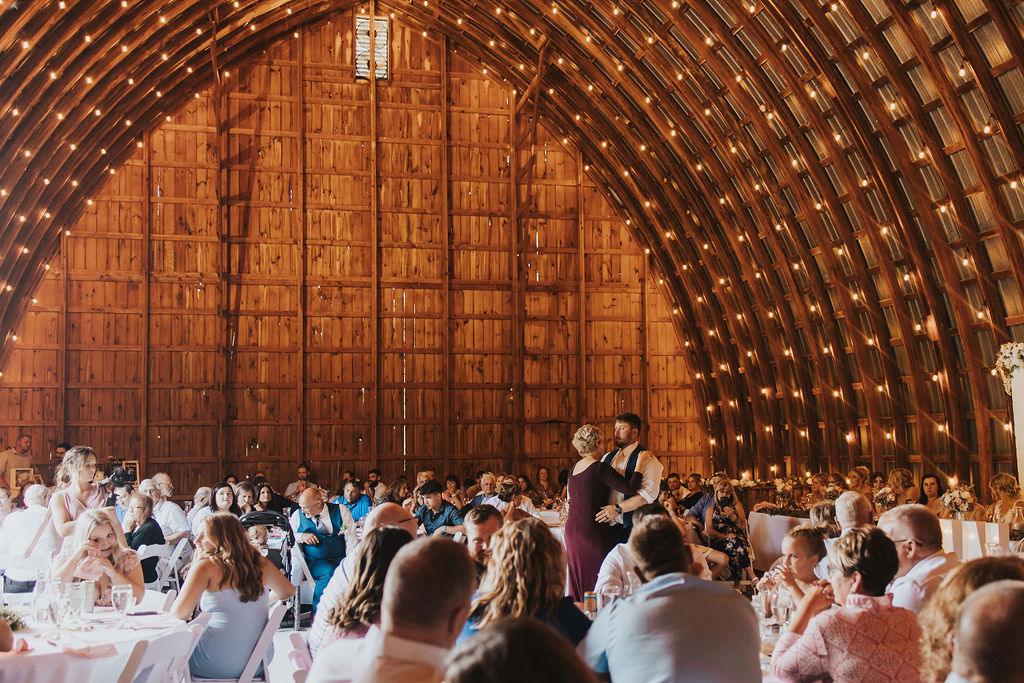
{"points": [[39, 563], [299, 657], [178, 671], [155, 601], [151, 660], [168, 572], [259, 653]]}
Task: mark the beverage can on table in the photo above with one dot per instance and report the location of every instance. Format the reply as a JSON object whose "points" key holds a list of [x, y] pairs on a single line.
{"points": [[590, 602]]}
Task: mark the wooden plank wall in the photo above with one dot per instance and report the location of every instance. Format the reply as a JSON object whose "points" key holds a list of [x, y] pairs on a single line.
{"points": [[323, 280]]}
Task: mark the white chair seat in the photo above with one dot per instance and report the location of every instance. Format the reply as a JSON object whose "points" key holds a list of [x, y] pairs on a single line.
{"points": [[259, 653]]}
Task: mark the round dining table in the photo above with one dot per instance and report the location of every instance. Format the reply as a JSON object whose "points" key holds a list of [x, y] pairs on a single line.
{"points": [[95, 652]]}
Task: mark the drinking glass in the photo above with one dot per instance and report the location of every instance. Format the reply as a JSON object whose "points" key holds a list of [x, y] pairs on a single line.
{"points": [[782, 607], [76, 595], [57, 609], [121, 597], [607, 596]]}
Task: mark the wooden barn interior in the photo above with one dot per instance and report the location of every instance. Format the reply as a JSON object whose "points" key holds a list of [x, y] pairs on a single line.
{"points": [[235, 236]]}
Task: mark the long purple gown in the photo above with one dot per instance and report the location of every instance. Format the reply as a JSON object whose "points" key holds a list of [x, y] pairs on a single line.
{"points": [[587, 541]]}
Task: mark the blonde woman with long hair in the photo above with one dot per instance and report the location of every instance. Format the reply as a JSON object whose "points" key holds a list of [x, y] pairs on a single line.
{"points": [[98, 552], [1006, 498], [587, 541], [227, 579], [526, 578], [76, 490]]}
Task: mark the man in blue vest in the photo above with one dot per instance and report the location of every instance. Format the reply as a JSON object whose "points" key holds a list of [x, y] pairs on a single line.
{"points": [[326, 532], [629, 457]]}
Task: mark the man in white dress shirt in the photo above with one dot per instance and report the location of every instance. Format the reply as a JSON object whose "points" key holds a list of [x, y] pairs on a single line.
{"points": [[17, 533], [626, 460], [852, 511], [488, 491], [918, 537], [172, 519], [427, 595]]}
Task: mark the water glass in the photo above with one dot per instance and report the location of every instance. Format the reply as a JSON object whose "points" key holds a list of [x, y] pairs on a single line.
{"points": [[122, 597], [607, 596], [76, 595]]}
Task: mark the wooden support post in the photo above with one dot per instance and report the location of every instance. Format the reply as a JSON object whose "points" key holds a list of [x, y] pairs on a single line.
{"points": [[147, 231], [62, 340], [518, 293], [645, 348], [375, 239], [300, 454], [223, 231], [581, 358], [446, 364]]}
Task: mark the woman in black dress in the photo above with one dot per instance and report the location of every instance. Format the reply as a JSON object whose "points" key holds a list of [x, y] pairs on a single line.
{"points": [[587, 541], [141, 529]]}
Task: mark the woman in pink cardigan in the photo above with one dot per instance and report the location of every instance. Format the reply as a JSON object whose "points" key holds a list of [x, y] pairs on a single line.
{"points": [[864, 638]]}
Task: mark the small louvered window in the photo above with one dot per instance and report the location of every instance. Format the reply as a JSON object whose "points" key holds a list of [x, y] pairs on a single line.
{"points": [[380, 44]]}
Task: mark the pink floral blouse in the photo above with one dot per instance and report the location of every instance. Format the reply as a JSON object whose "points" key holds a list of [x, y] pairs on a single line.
{"points": [[866, 640]]}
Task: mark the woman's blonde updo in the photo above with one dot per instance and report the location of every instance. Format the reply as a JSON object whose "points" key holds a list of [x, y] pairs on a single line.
{"points": [[1005, 484], [587, 439], [72, 463]]}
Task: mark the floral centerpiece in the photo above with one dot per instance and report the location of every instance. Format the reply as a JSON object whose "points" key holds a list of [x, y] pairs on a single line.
{"points": [[1009, 359], [885, 498], [12, 618], [784, 493], [959, 499]]}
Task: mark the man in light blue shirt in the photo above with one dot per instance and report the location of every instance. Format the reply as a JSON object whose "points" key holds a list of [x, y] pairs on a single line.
{"points": [[357, 502], [676, 627]]}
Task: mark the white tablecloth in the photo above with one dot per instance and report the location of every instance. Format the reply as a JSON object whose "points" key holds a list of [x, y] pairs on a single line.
{"points": [[46, 663], [766, 533]]}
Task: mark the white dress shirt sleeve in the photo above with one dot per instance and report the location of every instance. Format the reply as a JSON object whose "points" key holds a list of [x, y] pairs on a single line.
{"points": [[351, 540], [613, 572], [172, 519], [651, 472]]}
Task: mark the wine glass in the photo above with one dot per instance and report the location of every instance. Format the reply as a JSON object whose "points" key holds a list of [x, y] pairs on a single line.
{"points": [[57, 609], [122, 597]]}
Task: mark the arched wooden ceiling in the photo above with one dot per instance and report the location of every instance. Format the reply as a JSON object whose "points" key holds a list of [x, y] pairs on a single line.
{"points": [[831, 191]]}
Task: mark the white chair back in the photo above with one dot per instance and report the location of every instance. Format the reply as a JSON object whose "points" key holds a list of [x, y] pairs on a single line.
{"points": [[178, 670], [39, 562], [155, 601], [147, 551], [299, 657], [302, 577], [150, 660], [168, 571]]}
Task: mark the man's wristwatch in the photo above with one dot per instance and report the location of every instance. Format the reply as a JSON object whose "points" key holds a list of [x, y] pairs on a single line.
{"points": [[618, 508]]}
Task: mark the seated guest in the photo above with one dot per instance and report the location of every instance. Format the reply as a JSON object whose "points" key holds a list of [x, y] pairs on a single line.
{"points": [[513, 504], [619, 570], [823, 516], [852, 510], [725, 524], [200, 500], [98, 552], [472, 486], [693, 493], [326, 533], [426, 599], [918, 537], [293, 489], [267, 500], [141, 529], [513, 650], [931, 493], [481, 523], [453, 492], [172, 519], [488, 489], [1006, 499], [227, 579], [231, 479], [121, 493], [398, 492], [374, 487], [359, 607], [17, 534], [352, 497], [526, 578], [939, 615], [222, 499], [695, 515], [901, 480], [438, 516], [385, 514], [245, 498], [676, 627], [865, 638], [988, 635], [802, 550]]}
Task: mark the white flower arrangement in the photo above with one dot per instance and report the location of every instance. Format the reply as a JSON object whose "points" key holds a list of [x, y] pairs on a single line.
{"points": [[783, 492], [1009, 359], [885, 497], [832, 491], [959, 499]]}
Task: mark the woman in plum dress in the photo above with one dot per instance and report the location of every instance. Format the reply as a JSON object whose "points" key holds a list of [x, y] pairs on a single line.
{"points": [[587, 541]]}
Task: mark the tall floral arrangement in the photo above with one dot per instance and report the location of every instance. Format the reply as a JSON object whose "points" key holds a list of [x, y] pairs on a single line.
{"points": [[1009, 360], [784, 493]]}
